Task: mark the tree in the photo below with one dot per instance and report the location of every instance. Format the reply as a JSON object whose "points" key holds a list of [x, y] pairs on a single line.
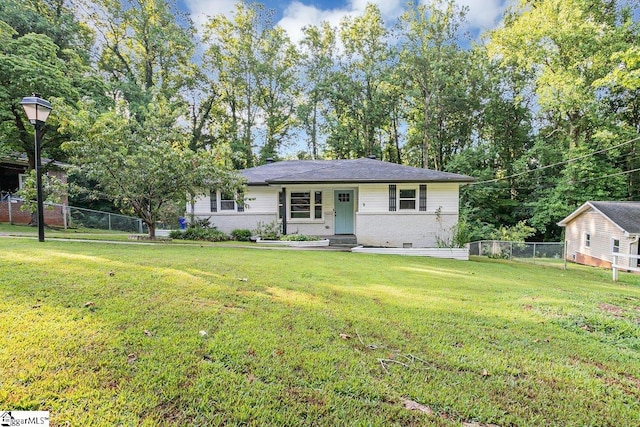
{"points": [[440, 82], [143, 167], [359, 107], [317, 63], [44, 50]]}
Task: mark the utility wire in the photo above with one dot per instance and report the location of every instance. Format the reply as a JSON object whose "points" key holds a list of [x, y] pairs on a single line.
{"points": [[555, 164]]}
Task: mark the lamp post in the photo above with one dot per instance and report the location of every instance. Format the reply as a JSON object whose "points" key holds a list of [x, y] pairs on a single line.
{"points": [[37, 111]]}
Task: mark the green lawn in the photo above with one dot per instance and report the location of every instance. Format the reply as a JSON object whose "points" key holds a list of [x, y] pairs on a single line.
{"points": [[102, 334]]}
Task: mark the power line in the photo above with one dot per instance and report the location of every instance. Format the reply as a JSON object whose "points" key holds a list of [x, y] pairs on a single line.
{"points": [[555, 164]]}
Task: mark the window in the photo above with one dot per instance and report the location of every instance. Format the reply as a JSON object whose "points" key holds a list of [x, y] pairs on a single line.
{"points": [[227, 202], [223, 201], [302, 205], [407, 199], [22, 180], [587, 240], [615, 247]]}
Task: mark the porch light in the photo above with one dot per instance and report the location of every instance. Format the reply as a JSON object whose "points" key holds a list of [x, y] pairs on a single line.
{"points": [[37, 111]]}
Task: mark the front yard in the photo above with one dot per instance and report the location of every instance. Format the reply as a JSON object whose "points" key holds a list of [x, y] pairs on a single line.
{"points": [[102, 334]]}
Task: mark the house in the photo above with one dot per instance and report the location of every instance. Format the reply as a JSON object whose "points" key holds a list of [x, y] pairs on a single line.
{"points": [[377, 203], [596, 230], [13, 173]]}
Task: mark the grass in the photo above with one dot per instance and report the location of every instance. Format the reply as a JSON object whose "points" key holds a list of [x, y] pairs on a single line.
{"points": [[102, 334]]}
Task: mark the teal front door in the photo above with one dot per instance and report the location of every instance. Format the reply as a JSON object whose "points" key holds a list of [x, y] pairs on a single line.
{"points": [[343, 202]]}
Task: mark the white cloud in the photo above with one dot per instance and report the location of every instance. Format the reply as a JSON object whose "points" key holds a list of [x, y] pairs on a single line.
{"points": [[483, 14], [201, 10], [297, 15]]}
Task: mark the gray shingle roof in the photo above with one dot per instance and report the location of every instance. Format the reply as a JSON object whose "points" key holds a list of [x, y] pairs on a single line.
{"points": [[344, 171], [624, 214]]}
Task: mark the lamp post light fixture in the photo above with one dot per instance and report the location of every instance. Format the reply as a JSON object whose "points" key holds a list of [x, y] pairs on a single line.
{"points": [[37, 111]]}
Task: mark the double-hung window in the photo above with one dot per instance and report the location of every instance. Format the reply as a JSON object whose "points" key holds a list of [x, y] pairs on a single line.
{"points": [[224, 201], [306, 205], [407, 199], [587, 240], [615, 246]]}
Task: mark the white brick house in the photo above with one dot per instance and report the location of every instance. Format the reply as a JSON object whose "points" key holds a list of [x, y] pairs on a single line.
{"points": [[379, 203]]}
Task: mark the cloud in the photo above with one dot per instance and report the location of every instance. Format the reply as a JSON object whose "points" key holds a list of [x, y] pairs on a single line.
{"points": [[298, 15], [201, 10], [483, 14]]}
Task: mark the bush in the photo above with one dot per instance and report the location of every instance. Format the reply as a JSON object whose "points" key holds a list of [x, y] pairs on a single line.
{"points": [[270, 231], [194, 233], [299, 238], [241, 234]]}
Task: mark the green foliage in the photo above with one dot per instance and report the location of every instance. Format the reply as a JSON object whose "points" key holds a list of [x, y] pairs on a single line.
{"points": [[267, 231], [299, 238], [197, 233], [53, 191], [516, 233], [241, 234]]}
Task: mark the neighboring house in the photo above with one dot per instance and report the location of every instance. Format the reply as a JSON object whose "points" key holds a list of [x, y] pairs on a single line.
{"points": [[379, 203], [13, 173], [597, 229]]}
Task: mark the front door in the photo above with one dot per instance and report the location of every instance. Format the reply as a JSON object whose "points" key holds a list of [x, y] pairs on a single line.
{"points": [[343, 202]]}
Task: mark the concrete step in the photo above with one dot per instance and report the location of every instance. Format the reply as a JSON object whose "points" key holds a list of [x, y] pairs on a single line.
{"points": [[343, 240]]}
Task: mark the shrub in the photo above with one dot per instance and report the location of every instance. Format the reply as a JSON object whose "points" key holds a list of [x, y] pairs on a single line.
{"points": [[270, 231], [299, 238], [241, 234], [194, 233]]}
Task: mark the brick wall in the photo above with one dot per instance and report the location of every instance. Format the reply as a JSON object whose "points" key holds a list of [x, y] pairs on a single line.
{"points": [[52, 214]]}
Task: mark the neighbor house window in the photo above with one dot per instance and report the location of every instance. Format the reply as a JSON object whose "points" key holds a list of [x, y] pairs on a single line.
{"points": [[615, 247], [306, 205], [407, 199], [587, 240], [22, 180]]}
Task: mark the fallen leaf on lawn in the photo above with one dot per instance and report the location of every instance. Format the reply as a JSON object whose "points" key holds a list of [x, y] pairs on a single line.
{"points": [[485, 373], [36, 306], [242, 279], [89, 304], [203, 333], [251, 378], [415, 406], [132, 358], [148, 333], [474, 424], [585, 328], [345, 336], [111, 273]]}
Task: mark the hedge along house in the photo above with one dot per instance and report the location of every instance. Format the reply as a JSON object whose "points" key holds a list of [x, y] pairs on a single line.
{"points": [[377, 203], [596, 230]]}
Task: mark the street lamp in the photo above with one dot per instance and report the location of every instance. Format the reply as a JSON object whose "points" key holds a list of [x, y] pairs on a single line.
{"points": [[37, 111]]}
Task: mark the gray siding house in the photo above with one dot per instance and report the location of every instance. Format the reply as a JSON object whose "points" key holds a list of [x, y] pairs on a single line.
{"points": [[597, 229], [378, 203]]}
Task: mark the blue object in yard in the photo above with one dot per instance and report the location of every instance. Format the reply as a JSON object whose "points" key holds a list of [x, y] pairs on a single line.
{"points": [[183, 223]]}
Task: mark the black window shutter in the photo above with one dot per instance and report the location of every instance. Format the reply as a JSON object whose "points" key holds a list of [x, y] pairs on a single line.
{"points": [[213, 197], [240, 202], [423, 198], [392, 198]]}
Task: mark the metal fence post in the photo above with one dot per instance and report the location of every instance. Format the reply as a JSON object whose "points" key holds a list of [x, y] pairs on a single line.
{"points": [[510, 251], [614, 267], [140, 226], [9, 208], [109, 219], [64, 215]]}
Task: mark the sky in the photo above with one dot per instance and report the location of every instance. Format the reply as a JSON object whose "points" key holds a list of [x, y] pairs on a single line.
{"points": [[293, 15]]}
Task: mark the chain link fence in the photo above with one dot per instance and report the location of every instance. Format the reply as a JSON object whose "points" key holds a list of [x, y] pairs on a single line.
{"points": [[88, 218], [534, 252], [70, 216]]}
